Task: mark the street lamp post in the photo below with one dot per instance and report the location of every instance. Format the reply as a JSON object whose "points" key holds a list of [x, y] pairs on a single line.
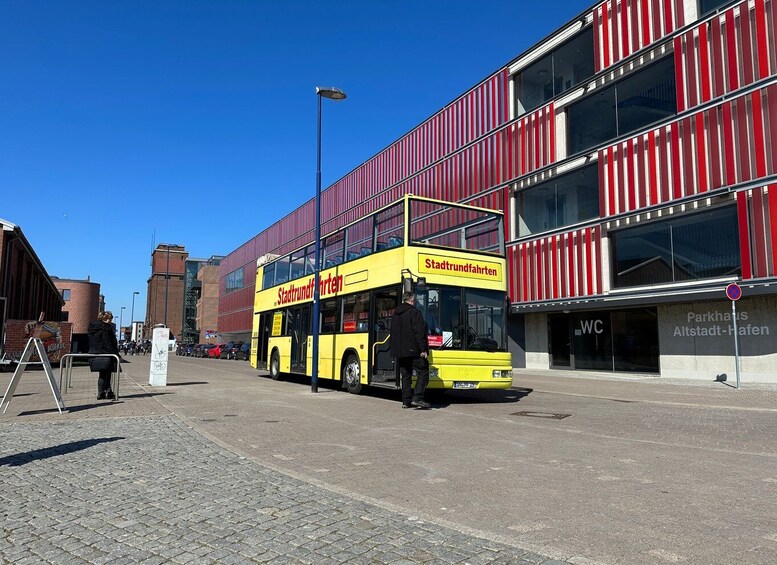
{"points": [[121, 316], [333, 94], [132, 313]]}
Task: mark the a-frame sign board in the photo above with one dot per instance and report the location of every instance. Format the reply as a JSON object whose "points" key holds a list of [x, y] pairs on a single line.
{"points": [[37, 345]]}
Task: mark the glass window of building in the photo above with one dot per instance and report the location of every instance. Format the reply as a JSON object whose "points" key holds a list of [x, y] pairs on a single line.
{"points": [[65, 294], [692, 247], [562, 201], [235, 280], [642, 98], [619, 340], [566, 66], [706, 6]]}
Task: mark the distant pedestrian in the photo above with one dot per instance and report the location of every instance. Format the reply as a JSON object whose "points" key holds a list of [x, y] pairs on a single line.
{"points": [[410, 347], [102, 340]]}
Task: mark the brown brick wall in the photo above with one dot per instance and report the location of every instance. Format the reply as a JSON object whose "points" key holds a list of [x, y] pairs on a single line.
{"points": [[155, 308], [84, 302], [208, 305], [166, 288]]}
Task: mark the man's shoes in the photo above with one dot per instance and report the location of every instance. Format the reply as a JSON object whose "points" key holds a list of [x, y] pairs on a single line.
{"points": [[100, 396], [406, 405], [109, 395], [421, 404]]}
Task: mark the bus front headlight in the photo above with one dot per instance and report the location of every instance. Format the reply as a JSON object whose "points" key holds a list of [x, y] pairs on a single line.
{"points": [[497, 374]]}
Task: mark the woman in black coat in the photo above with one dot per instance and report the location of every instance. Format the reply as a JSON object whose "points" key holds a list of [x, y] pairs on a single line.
{"points": [[103, 340]]}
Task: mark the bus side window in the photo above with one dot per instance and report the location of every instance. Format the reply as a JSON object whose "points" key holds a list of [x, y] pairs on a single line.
{"points": [[329, 316]]}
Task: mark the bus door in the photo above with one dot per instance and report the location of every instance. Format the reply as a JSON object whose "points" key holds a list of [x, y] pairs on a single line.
{"points": [[262, 338], [383, 366], [299, 326]]}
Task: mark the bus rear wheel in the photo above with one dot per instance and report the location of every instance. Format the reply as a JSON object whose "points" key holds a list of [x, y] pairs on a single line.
{"points": [[275, 366], [352, 375]]}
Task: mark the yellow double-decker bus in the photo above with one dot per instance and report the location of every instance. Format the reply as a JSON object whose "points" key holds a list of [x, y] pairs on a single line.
{"points": [[450, 255]]}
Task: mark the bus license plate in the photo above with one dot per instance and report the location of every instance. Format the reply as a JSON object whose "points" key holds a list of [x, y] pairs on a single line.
{"points": [[464, 384]]}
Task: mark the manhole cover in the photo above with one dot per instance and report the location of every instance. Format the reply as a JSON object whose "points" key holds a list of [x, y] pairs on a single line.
{"points": [[546, 415]]}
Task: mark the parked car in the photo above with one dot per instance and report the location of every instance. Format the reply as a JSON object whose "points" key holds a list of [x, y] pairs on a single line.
{"points": [[226, 350], [235, 351], [202, 350], [245, 351], [215, 350]]}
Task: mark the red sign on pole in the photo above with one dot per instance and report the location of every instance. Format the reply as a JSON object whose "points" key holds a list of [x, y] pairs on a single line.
{"points": [[733, 291]]}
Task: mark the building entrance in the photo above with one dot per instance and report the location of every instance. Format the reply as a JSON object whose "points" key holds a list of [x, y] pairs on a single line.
{"points": [[623, 340]]}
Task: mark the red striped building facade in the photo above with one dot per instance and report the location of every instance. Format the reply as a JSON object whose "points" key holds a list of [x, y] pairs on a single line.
{"points": [[634, 152]]}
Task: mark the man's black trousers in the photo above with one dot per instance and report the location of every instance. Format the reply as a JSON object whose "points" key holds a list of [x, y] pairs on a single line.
{"points": [[406, 366]]}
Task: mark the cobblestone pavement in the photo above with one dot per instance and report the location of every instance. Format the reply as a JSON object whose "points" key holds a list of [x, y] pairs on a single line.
{"points": [[150, 490]]}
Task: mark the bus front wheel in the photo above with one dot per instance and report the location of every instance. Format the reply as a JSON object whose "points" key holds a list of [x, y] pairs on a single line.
{"points": [[275, 366], [352, 375]]}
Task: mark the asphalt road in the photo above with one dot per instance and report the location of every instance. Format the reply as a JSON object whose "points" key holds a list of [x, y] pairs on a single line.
{"points": [[583, 470]]}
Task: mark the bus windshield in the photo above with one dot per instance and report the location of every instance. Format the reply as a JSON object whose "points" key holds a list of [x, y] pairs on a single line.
{"points": [[464, 319]]}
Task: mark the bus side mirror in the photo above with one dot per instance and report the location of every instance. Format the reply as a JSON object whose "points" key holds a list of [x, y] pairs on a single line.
{"points": [[407, 284]]}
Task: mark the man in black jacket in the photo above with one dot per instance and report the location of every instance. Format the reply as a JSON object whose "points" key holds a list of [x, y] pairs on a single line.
{"points": [[410, 347]]}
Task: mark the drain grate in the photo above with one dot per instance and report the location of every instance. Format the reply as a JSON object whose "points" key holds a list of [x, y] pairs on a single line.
{"points": [[545, 415]]}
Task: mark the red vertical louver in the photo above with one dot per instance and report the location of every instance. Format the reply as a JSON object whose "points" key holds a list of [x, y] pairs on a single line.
{"points": [[566, 265], [722, 146], [757, 216], [730, 51], [622, 27]]}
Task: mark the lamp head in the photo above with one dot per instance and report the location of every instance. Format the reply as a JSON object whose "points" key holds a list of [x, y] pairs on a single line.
{"points": [[331, 92]]}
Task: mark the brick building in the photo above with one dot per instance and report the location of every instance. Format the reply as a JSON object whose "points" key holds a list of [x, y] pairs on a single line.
{"points": [[166, 288], [192, 294], [82, 304], [208, 303], [26, 291]]}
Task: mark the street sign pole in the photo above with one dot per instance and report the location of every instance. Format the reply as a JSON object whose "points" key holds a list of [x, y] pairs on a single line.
{"points": [[734, 293], [736, 337]]}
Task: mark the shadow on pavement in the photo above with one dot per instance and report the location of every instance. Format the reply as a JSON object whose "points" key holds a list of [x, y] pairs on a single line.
{"points": [[444, 398], [189, 383], [143, 395], [436, 397], [46, 452]]}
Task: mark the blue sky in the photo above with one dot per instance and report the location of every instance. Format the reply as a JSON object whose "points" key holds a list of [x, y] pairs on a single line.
{"points": [[125, 123]]}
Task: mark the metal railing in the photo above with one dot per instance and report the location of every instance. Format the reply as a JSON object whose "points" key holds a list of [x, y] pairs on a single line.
{"points": [[66, 368]]}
